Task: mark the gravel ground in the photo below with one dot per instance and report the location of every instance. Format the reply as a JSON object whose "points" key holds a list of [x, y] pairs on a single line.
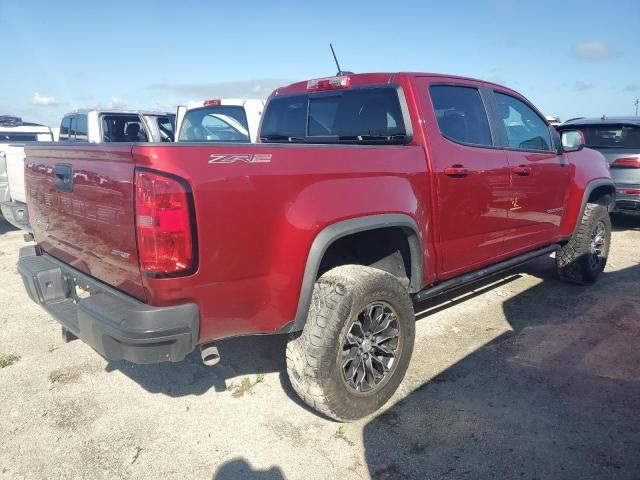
{"points": [[521, 377]]}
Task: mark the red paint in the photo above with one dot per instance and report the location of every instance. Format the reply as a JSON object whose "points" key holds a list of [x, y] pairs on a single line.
{"points": [[256, 220]]}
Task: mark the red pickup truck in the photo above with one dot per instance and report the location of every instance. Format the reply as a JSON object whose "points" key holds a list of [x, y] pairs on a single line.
{"points": [[368, 191]]}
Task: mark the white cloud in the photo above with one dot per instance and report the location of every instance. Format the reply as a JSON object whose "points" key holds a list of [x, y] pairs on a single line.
{"points": [[592, 50], [43, 100], [632, 87], [118, 103], [581, 86]]}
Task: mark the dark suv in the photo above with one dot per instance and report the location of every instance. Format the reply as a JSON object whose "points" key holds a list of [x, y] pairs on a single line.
{"points": [[618, 139]]}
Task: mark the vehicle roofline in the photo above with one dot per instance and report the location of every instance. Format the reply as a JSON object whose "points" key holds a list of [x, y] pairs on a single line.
{"points": [[394, 75]]}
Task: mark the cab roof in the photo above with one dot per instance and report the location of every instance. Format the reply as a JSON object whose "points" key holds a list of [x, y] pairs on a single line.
{"points": [[603, 121], [364, 79]]}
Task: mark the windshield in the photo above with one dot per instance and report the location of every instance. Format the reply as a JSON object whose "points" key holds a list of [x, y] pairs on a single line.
{"points": [[611, 136], [215, 124], [364, 115]]}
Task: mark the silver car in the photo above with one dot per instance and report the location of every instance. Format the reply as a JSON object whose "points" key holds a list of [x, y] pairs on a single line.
{"points": [[618, 139]]}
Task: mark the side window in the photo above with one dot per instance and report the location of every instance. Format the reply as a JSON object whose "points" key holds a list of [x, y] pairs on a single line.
{"points": [[81, 128], [461, 114], [525, 129], [64, 128], [72, 128]]}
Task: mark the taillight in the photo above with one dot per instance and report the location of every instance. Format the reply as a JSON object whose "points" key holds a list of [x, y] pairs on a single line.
{"points": [[629, 191], [626, 162], [212, 103], [164, 225], [329, 83]]}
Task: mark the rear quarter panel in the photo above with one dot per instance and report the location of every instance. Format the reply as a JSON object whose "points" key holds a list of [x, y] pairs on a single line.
{"points": [[256, 221]]}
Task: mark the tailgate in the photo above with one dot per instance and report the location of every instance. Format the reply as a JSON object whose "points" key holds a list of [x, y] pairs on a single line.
{"points": [[15, 172], [80, 202]]}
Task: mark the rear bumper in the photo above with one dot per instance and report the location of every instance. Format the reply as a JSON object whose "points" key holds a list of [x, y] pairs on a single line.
{"points": [[17, 214], [626, 203], [114, 324]]}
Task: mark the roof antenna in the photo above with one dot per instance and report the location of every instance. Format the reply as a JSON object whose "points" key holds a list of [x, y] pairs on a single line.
{"points": [[340, 71]]}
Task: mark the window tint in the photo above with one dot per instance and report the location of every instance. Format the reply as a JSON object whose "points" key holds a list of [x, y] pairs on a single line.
{"points": [[72, 128], [610, 136], [215, 124], [525, 129], [81, 128], [64, 128], [357, 115], [122, 128], [461, 114]]}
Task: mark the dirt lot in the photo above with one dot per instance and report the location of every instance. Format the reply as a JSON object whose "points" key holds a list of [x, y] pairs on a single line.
{"points": [[523, 377]]}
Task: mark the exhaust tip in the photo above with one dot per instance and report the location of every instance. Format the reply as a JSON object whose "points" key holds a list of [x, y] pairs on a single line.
{"points": [[210, 355]]}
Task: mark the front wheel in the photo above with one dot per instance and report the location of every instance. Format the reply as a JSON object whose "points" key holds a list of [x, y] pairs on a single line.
{"points": [[356, 345], [584, 257]]}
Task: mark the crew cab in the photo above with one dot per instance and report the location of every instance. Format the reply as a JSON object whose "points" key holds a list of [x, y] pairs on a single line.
{"points": [[112, 126], [368, 192], [219, 120], [14, 133]]}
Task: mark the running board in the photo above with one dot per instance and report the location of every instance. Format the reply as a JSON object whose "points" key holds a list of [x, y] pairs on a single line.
{"points": [[467, 278]]}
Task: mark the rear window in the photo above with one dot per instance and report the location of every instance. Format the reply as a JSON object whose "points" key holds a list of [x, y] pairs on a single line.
{"points": [[222, 123], [364, 115], [611, 136], [18, 137], [461, 114], [122, 128]]}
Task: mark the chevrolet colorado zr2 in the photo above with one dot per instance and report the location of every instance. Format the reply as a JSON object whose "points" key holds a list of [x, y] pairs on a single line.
{"points": [[367, 192]]}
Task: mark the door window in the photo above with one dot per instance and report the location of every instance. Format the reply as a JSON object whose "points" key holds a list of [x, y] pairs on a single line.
{"points": [[64, 128], [461, 114], [81, 128], [524, 127]]}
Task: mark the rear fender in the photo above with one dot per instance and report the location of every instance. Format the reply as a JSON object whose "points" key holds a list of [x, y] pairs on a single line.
{"points": [[347, 227]]}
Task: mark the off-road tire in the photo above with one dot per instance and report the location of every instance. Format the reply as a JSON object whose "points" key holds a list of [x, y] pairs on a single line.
{"points": [[314, 364], [573, 259]]}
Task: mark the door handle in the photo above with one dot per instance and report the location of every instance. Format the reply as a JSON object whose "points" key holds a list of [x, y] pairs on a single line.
{"points": [[63, 179], [522, 170], [456, 171]]}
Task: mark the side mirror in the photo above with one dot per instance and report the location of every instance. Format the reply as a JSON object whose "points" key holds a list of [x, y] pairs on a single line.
{"points": [[572, 140]]}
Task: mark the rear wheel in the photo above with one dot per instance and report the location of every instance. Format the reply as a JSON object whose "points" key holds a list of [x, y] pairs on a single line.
{"points": [[356, 345], [584, 257]]}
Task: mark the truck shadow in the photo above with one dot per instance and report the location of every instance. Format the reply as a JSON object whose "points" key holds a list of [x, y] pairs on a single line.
{"points": [[242, 356], [557, 397], [6, 226]]}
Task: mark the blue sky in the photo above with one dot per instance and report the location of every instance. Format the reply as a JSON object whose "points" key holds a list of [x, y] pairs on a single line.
{"points": [[571, 58]]}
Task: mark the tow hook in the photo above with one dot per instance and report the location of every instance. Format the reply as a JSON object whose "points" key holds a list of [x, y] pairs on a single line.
{"points": [[210, 354]]}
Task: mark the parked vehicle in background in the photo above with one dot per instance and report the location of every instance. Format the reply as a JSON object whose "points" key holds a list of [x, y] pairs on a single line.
{"points": [[618, 139], [111, 126], [14, 133], [221, 120], [95, 126], [368, 191], [553, 121]]}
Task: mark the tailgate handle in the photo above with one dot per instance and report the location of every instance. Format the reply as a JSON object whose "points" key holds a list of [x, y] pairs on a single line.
{"points": [[62, 173]]}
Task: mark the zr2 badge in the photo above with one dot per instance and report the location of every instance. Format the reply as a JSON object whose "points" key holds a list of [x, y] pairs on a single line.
{"points": [[240, 157]]}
